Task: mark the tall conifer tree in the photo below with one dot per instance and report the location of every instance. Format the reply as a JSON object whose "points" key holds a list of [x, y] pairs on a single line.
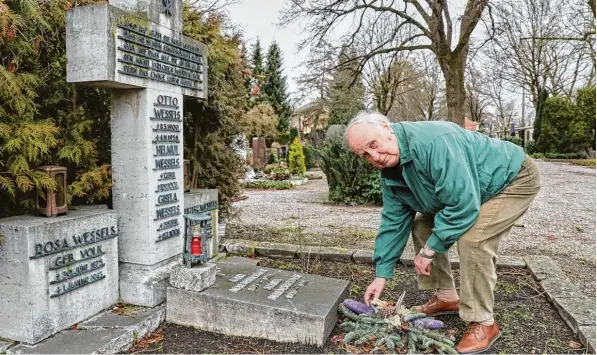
{"points": [[275, 87]]}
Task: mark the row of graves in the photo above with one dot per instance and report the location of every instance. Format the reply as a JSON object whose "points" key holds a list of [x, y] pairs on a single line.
{"points": [[157, 245]]}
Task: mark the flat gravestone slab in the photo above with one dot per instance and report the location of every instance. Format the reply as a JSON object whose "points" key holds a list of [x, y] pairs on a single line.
{"points": [[255, 301], [103, 341], [140, 320]]}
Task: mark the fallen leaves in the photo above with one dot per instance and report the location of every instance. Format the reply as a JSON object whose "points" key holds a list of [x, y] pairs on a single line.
{"points": [[338, 338], [574, 344], [148, 340]]}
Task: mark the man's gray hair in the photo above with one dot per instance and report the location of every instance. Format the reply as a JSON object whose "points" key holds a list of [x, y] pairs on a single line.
{"points": [[365, 116]]}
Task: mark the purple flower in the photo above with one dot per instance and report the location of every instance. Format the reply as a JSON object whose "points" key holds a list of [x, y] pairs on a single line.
{"points": [[358, 307], [427, 323]]}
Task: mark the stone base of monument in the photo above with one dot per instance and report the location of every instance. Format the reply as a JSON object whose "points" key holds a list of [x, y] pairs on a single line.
{"points": [[107, 333], [56, 272], [150, 282], [195, 279], [253, 301]]}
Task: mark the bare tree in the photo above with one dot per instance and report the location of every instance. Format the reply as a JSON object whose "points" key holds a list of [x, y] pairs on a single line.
{"points": [[319, 68], [421, 96], [429, 21], [500, 100], [477, 98], [385, 74], [524, 47]]}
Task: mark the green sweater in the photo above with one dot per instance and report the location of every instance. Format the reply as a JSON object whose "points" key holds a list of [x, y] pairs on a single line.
{"points": [[445, 171]]}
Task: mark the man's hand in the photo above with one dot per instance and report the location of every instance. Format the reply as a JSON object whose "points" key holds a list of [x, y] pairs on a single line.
{"points": [[422, 265], [374, 289]]}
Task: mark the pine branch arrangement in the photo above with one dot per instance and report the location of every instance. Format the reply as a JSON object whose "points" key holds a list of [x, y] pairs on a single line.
{"points": [[394, 329]]}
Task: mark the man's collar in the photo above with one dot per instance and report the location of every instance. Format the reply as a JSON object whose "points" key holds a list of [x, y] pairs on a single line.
{"points": [[403, 145]]}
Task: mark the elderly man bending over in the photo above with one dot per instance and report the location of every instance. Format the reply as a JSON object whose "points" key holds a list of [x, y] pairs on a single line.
{"points": [[446, 185]]}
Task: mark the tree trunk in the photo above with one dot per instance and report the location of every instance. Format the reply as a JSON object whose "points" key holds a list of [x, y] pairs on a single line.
{"points": [[453, 70]]}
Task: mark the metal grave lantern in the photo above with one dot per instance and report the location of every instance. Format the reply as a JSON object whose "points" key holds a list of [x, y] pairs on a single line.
{"points": [[197, 238], [54, 202]]}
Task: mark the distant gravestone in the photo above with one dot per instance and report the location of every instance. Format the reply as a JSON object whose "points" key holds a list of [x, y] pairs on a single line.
{"points": [[252, 301], [136, 48], [259, 153], [56, 272]]}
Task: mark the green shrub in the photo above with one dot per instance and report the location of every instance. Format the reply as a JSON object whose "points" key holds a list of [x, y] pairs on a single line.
{"points": [[296, 158], [564, 155], [283, 138], [584, 162], [530, 147], [515, 140], [309, 156], [269, 185], [350, 179], [271, 159], [293, 134]]}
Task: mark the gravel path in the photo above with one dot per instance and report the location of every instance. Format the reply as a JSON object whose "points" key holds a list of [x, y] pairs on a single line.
{"points": [[560, 222]]}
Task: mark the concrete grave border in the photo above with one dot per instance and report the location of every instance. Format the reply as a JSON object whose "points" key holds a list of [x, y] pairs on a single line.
{"points": [[112, 333], [576, 309]]}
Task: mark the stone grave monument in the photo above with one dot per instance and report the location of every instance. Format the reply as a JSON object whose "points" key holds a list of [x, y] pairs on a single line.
{"points": [[136, 48], [237, 297], [56, 272], [259, 153]]}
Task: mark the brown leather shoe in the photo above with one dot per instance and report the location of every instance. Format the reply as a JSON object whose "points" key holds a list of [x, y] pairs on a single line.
{"points": [[436, 307], [478, 338]]}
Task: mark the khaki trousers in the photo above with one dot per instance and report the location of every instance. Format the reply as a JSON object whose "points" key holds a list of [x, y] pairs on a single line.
{"points": [[478, 247]]}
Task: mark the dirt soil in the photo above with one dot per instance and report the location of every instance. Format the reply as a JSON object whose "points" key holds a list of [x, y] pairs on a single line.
{"points": [[528, 322]]}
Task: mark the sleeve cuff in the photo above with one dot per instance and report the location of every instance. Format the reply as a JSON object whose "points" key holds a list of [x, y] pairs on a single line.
{"points": [[385, 270], [435, 244]]}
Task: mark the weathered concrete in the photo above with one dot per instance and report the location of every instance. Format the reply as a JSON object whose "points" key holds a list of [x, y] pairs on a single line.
{"points": [[543, 267], [103, 341], [261, 302], [205, 201], [273, 250], [576, 311], [150, 282], [56, 272], [131, 44], [6, 344], [195, 279], [141, 321], [586, 333], [560, 288], [95, 33], [505, 261], [240, 246], [362, 256], [325, 253]]}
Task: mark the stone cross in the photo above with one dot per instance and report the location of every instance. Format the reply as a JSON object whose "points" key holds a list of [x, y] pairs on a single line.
{"points": [[136, 49]]}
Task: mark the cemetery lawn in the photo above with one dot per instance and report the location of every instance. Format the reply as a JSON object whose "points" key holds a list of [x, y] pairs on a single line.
{"points": [[528, 322]]}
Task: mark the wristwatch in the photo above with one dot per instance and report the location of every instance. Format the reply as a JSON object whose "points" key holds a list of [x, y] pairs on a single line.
{"points": [[423, 254]]}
